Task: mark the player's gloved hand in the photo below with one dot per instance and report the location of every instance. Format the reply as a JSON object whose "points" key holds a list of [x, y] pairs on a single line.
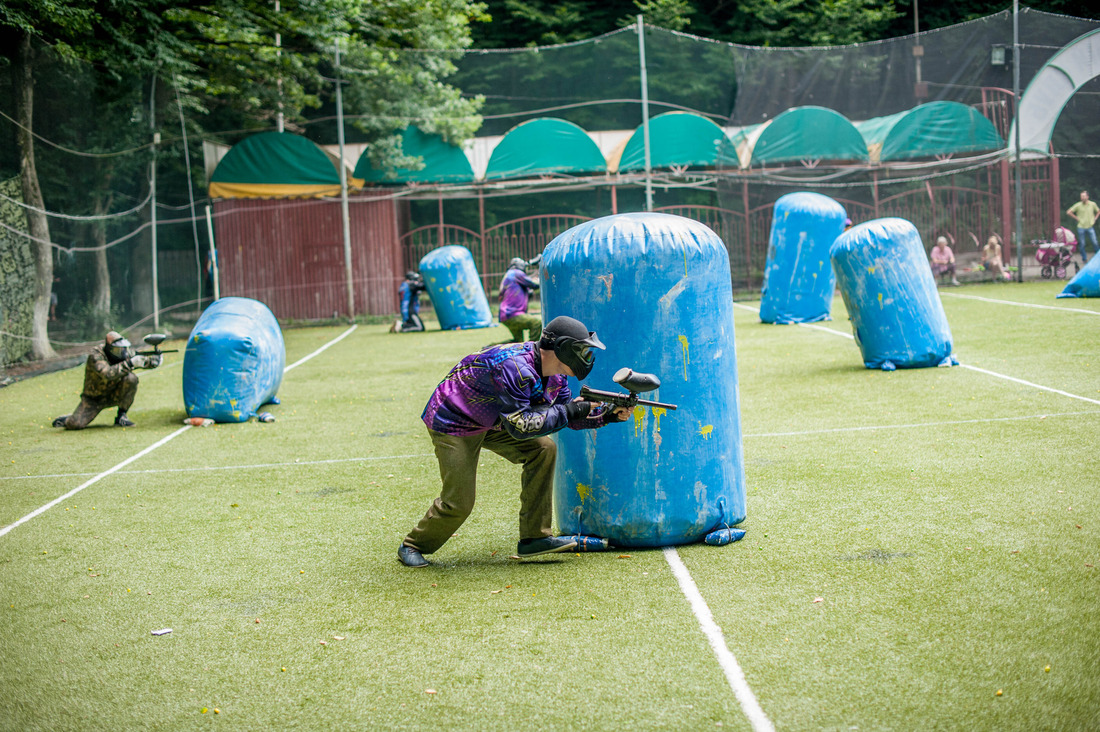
{"points": [[618, 414], [145, 362], [577, 410]]}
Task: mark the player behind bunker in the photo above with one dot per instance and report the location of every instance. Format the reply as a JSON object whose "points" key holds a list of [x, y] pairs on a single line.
{"points": [[455, 289], [234, 361], [656, 289], [887, 284], [798, 276]]}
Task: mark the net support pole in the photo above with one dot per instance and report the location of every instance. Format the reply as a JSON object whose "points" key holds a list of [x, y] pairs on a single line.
{"points": [[153, 200], [213, 252], [1016, 163], [645, 115], [345, 218]]}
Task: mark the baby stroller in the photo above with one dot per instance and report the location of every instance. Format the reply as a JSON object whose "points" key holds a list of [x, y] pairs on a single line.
{"points": [[1055, 256]]}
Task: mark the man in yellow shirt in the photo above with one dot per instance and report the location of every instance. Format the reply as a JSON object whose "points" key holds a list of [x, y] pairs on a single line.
{"points": [[1085, 213]]}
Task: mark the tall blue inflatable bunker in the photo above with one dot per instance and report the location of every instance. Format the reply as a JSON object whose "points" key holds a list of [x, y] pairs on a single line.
{"points": [[234, 361], [656, 289], [1085, 283], [455, 288], [798, 276], [890, 292]]}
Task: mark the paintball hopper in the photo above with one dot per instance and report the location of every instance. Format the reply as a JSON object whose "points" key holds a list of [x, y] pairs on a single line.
{"points": [[636, 382], [154, 340]]}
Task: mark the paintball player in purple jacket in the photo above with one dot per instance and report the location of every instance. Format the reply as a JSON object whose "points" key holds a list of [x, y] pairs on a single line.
{"points": [[515, 292], [507, 398]]}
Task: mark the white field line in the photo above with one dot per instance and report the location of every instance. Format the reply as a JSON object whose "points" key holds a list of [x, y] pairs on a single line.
{"points": [[379, 458], [295, 464], [1021, 304], [963, 365], [726, 660], [146, 451], [93, 481]]}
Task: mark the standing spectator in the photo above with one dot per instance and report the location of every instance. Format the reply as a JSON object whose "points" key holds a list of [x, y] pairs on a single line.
{"points": [[991, 258], [943, 260], [1085, 212]]}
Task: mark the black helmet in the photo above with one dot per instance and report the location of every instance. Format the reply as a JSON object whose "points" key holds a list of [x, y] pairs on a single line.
{"points": [[117, 348], [412, 276], [572, 343], [517, 263]]}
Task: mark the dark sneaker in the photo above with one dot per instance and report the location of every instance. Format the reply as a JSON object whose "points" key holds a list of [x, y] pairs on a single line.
{"points": [[546, 545], [411, 557], [123, 421], [60, 421]]}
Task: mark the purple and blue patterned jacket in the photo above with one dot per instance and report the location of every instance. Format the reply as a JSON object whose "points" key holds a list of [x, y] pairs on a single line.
{"points": [[515, 291], [501, 387]]}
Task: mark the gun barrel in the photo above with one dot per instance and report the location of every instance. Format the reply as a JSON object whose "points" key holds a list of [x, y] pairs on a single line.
{"points": [[659, 405], [157, 352]]}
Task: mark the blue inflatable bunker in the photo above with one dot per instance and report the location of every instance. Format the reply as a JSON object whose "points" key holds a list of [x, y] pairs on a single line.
{"points": [[798, 276], [234, 361], [1085, 283], [656, 289], [455, 288], [890, 292]]}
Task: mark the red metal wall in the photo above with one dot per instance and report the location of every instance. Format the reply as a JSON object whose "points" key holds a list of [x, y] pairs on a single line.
{"points": [[289, 255]]}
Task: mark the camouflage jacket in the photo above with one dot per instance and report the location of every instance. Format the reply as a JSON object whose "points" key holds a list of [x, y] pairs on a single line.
{"points": [[101, 377]]}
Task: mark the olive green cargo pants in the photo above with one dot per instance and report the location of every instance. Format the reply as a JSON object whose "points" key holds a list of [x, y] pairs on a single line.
{"points": [[458, 458]]}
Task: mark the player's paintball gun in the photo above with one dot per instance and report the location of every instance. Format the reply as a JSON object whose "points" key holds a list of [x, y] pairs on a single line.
{"points": [[154, 340], [635, 383], [533, 262]]}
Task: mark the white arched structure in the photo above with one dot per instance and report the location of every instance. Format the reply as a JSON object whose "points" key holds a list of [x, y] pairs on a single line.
{"points": [[1045, 97]]}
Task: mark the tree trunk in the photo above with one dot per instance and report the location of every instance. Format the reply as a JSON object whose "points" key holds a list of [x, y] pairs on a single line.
{"points": [[37, 224]]}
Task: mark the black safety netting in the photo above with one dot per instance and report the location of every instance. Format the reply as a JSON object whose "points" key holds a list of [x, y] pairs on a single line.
{"points": [[94, 152]]}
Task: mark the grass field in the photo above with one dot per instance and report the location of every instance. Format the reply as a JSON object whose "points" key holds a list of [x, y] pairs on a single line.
{"points": [[923, 551]]}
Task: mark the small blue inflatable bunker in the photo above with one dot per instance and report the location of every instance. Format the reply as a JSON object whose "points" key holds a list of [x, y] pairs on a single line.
{"points": [[888, 287], [798, 276], [234, 361], [656, 289], [455, 288], [1085, 283]]}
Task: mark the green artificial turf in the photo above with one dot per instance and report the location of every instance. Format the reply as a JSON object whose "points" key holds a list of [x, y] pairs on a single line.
{"points": [[912, 548]]}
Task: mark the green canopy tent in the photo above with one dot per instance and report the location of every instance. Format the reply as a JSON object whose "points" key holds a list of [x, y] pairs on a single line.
{"points": [[929, 130], [546, 146], [276, 165], [676, 140], [443, 162], [801, 134]]}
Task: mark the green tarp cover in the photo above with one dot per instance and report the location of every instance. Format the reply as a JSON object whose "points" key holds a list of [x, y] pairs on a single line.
{"points": [[675, 139], [276, 158], [936, 128], [443, 162], [544, 146], [807, 133]]}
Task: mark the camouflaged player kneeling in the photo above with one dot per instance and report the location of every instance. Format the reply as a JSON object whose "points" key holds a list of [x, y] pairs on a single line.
{"points": [[109, 381]]}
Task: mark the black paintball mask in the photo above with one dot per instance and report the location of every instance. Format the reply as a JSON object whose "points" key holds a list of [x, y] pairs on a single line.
{"points": [[572, 343], [413, 276], [517, 263], [118, 349]]}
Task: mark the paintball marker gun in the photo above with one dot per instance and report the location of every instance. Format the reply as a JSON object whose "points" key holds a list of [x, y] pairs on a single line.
{"points": [[154, 340], [635, 383]]}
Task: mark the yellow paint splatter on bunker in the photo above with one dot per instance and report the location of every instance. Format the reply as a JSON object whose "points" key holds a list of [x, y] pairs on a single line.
{"points": [[705, 430], [880, 299], [639, 420], [583, 491], [687, 354], [657, 412]]}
